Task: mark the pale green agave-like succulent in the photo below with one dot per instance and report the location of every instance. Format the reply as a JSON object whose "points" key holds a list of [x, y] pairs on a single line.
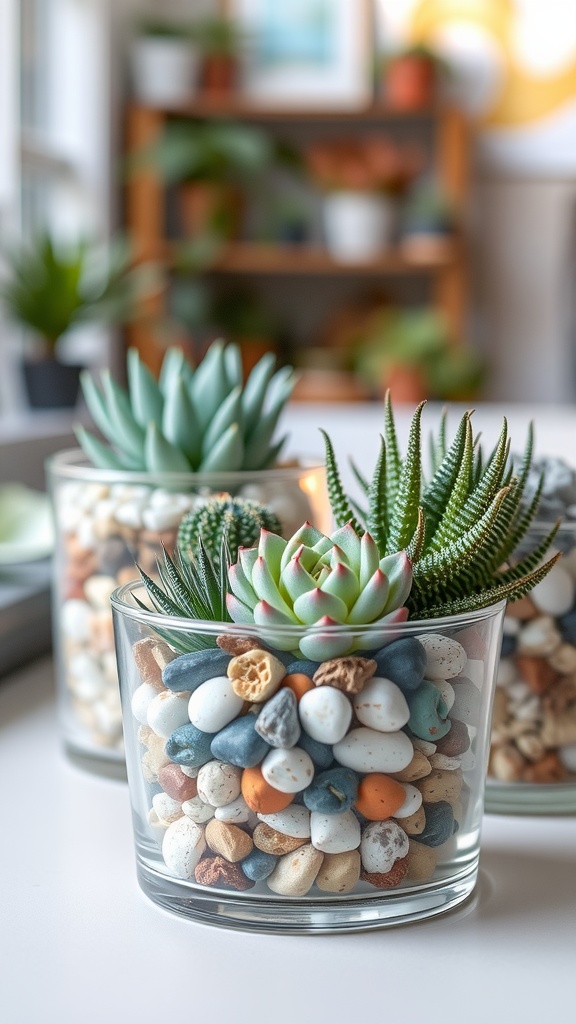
{"points": [[459, 529], [317, 581], [224, 519], [190, 420]]}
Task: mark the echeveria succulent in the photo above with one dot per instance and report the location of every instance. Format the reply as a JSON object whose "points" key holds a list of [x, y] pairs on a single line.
{"points": [[313, 580], [190, 420]]}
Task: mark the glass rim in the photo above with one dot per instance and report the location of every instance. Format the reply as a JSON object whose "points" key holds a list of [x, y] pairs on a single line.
{"points": [[151, 618], [73, 464]]}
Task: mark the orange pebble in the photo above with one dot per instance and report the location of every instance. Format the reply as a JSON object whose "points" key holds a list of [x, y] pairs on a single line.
{"points": [[379, 797], [260, 796], [298, 683]]}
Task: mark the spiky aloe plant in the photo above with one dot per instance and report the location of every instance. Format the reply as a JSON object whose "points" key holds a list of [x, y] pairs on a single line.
{"points": [[460, 529], [189, 586], [314, 580], [202, 420], [224, 519]]}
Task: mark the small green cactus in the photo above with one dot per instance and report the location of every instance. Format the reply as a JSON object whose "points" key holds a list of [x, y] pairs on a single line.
{"points": [[190, 420], [237, 521]]}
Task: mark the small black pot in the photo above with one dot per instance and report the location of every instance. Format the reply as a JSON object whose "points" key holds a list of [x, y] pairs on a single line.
{"points": [[50, 384]]}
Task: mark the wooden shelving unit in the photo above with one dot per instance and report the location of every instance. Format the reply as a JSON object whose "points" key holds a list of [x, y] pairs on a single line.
{"points": [[447, 270]]}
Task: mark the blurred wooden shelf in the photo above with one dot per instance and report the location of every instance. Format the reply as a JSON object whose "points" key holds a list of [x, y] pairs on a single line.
{"points": [[246, 110], [256, 258]]}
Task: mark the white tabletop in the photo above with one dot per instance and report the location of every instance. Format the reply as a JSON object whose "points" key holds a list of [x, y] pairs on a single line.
{"points": [[80, 944]]}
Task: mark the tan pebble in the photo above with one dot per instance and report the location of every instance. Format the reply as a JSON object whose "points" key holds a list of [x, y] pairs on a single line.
{"points": [[524, 609], [215, 871], [540, 637], [548, 769], [563, 660], [255, 675], [531, 746], [295, 873], [559, 730], [506, 764], [418, 768], [228, 841], [500, 735], [415, 823], [440, 785], [500, 712], [444, 763], [421, 862], [154, 757], [268, 840], [561, 696], [101, 631], [151, 657], [519, 726], [347, 674], [339, 872], [537, 673]]}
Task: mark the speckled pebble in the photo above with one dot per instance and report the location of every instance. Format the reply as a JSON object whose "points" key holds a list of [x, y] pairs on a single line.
{"points": [[236, 812], [440, 786], [365, 750], [292, 821], [411, 804], [381, 705], [228, 840], [383, 842], [197, 810], [167, 712], [414, 824], [288, 771], [218, 783], [269, 840], [445, 657], [340, 872], [421, 862], [467, 704], [182, 847], [166, 808], [214, 704], [325, 714]]}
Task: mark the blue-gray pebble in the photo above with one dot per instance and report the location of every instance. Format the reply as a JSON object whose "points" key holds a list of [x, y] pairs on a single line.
{"points": [[332, 791], [439, 824], [303, 666], [403, 661], [428, 712], [239, 744], [190, 670], [258, 865], [509, 645], [567, 625], [189, 746], [278, 721], [321, 753]]}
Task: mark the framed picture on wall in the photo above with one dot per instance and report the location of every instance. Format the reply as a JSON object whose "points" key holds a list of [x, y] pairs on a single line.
{"points": [[306, 53]]}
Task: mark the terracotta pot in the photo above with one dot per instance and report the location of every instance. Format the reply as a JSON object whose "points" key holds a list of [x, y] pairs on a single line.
{"points": [[410, 83], [208, 207], [218, 74], [406, 383]]}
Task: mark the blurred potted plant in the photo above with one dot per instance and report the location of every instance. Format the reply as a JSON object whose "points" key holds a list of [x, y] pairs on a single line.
{"points": [[52, 288], [410, 78], [242, 316], [361, 179], [219, 40], [411, 353], [164, 63], [209, 161], [428, 222]]}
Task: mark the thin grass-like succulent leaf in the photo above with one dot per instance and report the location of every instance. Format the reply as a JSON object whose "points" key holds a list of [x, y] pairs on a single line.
{"points": [[437, 492], [393, 457], [377, 517], [338, 498], [508, 591], [453, 498], [532, 560], [363, 483], [404, 519], [416, 545]]}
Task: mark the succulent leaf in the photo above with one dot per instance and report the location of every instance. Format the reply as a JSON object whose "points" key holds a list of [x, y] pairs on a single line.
{"points": [[339, 501], [404, 519], [179, 424], [227, 454], [162, 456], [145, 396]]}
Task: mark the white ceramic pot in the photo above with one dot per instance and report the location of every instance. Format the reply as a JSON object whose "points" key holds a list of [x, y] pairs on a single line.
{"points": [[164, 70], [358, 225]]}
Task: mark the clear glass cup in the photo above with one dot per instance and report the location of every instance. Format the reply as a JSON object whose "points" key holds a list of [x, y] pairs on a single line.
{"points": [[107, 520], [373, 824], [532, 767]]}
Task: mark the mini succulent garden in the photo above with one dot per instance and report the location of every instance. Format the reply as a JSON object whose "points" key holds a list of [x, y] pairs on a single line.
{"points": [[308, 726]]}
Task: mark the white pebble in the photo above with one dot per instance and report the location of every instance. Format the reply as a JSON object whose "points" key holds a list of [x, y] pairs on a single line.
{"points": [[507, 672], [383, 843], [98, 590], [425, 746], [130, 514], [334, 833], [567, 755], [445, 657], [511, 626], [167, 712], [182, 847], [288, 771], [447, 691], [539, 636], [381, 705], [192, 773], [325, 714], [555, 593], [293, 821], [75, 617], [445, 763], [366, 750], [167, 809], [141, 701], [86, 534], [236, 811], [412, 802], [467, 703], [160, 519], [219, 783], [214, 704], [197, 810]]}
